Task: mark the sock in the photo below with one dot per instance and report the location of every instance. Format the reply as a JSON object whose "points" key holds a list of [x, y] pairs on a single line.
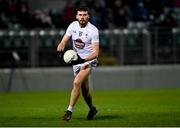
{"points": [[70, 108]]}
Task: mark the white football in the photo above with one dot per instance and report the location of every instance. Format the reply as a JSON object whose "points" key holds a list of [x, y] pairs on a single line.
{"points": [[70, 55]]}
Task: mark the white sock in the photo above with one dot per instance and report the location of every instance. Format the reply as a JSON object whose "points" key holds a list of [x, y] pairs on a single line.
{"points": [[70, 108]]}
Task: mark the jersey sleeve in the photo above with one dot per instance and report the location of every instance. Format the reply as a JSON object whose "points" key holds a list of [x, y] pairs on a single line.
{"points": [[95, 36], [69, 30]]}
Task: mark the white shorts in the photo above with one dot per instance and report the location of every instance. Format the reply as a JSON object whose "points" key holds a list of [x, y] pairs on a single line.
{"points": [[91, 64]]}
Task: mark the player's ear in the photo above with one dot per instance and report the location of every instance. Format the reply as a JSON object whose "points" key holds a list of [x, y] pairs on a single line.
{"points": [[88, 16]]}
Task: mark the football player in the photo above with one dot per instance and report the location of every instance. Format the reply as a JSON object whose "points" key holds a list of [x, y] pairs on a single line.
{"points": [[85, 39]]}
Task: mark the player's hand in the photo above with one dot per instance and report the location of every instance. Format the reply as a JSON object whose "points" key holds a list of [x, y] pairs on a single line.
{"points": [[78, 61], [60, 55]]}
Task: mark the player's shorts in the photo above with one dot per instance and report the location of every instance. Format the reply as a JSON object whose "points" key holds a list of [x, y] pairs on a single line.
{"points": [[91, 64]]}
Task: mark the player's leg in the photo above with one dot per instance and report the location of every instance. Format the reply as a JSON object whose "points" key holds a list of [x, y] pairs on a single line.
{"points": [[77, 85], [79, 78], [88, 98], [86, 93]]}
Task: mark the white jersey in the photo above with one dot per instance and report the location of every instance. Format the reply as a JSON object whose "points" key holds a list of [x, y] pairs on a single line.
{"points": [[82, 38]]}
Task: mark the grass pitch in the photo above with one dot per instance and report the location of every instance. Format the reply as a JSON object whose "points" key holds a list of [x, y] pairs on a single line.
{"points": [[154, 107]]}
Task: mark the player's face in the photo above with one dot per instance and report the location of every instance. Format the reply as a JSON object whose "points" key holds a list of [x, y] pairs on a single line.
{"points": [[82, 17]]}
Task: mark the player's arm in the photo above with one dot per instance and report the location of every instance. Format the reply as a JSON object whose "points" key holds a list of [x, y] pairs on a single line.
{"points": [[95, 46], [61, 46], [63, 43], [95, 52], [65, 39]]}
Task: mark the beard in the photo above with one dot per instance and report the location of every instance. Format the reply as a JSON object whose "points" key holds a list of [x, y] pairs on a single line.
{"points": [[83, 23]]}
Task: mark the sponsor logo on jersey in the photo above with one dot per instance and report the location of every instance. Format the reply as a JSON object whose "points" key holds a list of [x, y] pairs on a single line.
{"points": [[79, 43]]}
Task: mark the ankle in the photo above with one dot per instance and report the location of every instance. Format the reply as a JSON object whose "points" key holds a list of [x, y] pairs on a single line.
{"points": [[70, 108]]}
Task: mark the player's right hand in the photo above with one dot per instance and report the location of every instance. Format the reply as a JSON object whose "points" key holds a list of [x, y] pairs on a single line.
{"points": [[60, 55]]}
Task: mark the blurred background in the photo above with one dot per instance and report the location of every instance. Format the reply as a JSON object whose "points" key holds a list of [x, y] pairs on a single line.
{"points": [[132, 33]]}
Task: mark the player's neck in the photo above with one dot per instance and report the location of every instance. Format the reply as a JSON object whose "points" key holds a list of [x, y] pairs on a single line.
{"points": [[83, 25]]}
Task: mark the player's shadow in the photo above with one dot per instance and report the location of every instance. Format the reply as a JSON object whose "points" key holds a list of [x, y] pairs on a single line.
{"points": [[108, 117], [104, 117]]}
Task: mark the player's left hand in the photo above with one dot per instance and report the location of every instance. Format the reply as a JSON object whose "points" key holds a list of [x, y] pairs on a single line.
{"points": [[78, 61]]}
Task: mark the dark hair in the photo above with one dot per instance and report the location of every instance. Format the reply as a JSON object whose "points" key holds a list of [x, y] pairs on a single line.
{"points": [[86, 9]]}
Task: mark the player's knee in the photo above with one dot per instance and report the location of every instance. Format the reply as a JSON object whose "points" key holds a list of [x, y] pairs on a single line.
{"points": [[76, 84], [77, 81]]}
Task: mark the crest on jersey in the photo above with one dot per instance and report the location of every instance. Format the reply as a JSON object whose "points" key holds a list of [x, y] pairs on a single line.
{"points": [[80, 33]]}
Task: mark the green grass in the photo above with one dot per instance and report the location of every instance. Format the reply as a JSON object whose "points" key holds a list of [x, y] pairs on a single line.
{"points": [[154, 107]]}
